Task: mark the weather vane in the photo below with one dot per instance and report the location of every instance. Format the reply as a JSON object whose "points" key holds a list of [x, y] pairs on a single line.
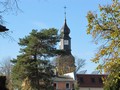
{"points": [[65, 11]]}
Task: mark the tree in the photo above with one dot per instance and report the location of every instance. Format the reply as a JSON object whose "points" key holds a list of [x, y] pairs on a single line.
{"points": [[65, 64], [105, 28], [35, 71], [80, 63], [5, 70], [5, 7]]}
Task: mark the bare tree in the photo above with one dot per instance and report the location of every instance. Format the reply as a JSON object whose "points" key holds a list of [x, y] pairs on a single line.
{"points": [[8, 5], [66, 64], [5, 70], [80, 63], [5, 67]]}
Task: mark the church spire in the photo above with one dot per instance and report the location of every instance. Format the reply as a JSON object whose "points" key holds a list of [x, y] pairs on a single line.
{"points": [[65, 38], [65, 29]]}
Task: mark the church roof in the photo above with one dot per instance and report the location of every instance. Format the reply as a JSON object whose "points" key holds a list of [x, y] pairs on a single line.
{"points": [[65, 29]]}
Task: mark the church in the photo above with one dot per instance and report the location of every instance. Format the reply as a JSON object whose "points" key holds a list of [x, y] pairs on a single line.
{"points": [[66, 78], [66, 62]]}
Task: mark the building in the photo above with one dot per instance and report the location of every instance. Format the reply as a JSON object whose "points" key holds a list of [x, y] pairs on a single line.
{"points": [[66, 62], [70, 81], [90, 81], [63, 83]]}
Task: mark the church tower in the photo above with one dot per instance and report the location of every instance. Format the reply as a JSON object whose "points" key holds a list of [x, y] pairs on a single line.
{"points": [[65, 40], [67, 61]]}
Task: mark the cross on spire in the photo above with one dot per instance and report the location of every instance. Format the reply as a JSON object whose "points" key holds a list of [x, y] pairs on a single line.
{"points": [[65, 11]]}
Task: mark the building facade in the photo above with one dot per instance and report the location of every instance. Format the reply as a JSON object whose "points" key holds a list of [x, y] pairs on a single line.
{"points": [[63, 83], [90, 81]]}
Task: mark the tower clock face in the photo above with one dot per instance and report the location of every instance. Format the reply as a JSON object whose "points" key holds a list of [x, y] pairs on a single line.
{"points": [[66, 42]]}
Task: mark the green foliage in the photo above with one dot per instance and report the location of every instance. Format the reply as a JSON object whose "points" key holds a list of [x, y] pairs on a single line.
{"points": [[105, 28], [32, 70], [76, 86]]}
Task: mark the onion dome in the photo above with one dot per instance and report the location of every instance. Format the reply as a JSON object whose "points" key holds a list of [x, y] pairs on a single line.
{"points": [[65, 29]]}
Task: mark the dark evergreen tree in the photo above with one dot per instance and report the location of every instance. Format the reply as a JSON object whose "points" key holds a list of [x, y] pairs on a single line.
{"points": [[32, 70]]}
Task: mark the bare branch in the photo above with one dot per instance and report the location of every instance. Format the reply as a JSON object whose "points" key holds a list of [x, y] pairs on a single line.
{"points": [[80, 63]]}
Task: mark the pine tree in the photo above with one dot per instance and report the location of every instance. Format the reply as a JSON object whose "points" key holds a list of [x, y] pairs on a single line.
{"points": [[32, 70]]}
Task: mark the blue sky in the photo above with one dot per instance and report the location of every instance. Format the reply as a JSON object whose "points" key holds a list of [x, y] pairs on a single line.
{"points": [[39, 14]]}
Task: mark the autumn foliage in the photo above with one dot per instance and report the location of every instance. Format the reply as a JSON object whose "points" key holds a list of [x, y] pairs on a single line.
{"points": [[105, 29]]}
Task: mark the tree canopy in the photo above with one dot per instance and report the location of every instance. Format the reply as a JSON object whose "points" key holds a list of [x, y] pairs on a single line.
{"points": [[65, 64], [35, 70], [105, 28]]}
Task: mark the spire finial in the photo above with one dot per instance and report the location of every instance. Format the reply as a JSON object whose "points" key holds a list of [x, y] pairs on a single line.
{"points": [[65, 12]]}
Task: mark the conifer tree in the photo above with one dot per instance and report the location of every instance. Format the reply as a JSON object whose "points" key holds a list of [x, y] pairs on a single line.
{"points": [[32, 70]]}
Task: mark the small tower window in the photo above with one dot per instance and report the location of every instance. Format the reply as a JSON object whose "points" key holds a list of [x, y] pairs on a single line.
{"points": [[65, 42]]}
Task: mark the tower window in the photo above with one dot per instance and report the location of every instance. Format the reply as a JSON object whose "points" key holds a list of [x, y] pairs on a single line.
{"points": [[65, 42]]}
